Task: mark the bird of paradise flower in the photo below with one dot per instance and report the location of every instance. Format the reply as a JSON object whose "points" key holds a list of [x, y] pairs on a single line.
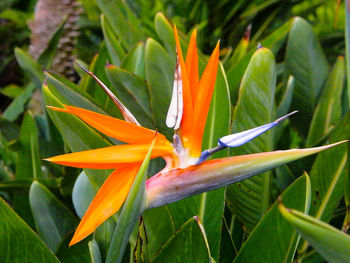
{"points": [[187, 171]]}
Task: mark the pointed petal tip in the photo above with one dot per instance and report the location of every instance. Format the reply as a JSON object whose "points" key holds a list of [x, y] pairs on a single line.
{"points": [[286, 116], [58, 109]]}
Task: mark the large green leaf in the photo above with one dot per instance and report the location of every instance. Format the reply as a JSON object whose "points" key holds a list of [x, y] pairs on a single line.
{"points": [[75, 254], [186, 245], [18, 243], [122, 21], [53, 219], [159, 227], [347, 49], [331, 243], [31, 67], [165, 32], [135, 61], [28, 160], [82, 195], [327, 175], [236, 71], [250, 198], [132, 209], [116, 52], [18, 105], [328, 110], [76, 134], [274, 239], [307, 63], [159, 72], [133, 92]]}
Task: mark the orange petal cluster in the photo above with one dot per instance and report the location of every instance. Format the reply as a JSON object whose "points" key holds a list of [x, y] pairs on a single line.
{"points": [[196, 93], [125, 158]]}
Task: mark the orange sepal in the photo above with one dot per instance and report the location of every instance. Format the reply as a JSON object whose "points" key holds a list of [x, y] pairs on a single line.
{"points": [[110, 157], [187, 116], [115, 128], [202, 103], [192, 66], [107, 201]]}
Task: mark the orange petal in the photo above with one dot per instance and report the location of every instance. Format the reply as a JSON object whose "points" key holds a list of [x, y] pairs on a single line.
{"points": [[110, 157], [192, 66], [107, 201], [202, 103], [187, 116], [113, 127]]}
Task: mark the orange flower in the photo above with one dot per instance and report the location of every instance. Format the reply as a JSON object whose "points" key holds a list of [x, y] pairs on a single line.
{"points": [[182, 175]]}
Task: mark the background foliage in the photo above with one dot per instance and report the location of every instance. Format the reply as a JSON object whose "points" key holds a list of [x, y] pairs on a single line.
{"points": [[130, 46]]}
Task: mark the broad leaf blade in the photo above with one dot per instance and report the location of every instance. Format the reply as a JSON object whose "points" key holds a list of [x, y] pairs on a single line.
{"points": [[53, 219], [328, 110], [250, 199], [306, 61], [275, 234], [28, 160], [159, 72], [236, 71], [186, 245], [331, 243], [116, 51], [18, 243]]}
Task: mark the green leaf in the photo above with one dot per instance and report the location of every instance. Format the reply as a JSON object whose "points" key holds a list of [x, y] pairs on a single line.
{"points": [[327, 175], [12, 90], [236, 71], [76, 134], [328, 110], [28, 161], [75, 254], [18, 105], [82, 195], [250, 198], [159, 72], [46, 58], [286, 101], [159, 227], [165, 32], [19, 243], [30, 66], [122, 21], [133, 92], [52, 218], [274, 239], [94, 252], [347, 49], [135, 61], [132, 209], [186, 245], [331, 243], [116, 52], [307, 63]]}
